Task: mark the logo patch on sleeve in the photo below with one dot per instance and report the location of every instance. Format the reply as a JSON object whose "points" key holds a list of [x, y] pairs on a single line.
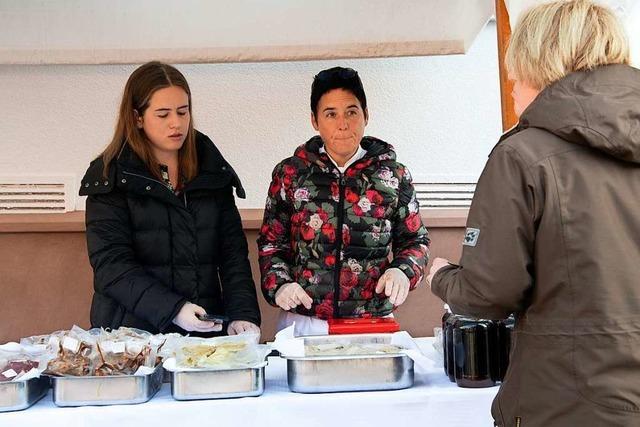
{"points": [[471, 237]]}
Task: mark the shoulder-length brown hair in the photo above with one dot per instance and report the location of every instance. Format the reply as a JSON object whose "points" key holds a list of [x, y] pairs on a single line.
{"points": [[140, 87]]}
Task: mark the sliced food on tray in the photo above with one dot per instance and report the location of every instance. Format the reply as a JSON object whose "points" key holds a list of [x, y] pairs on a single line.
{"points": [[350, 349]]}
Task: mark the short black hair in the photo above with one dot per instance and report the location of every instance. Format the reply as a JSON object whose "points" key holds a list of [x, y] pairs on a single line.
{"points": [[337, 78]]}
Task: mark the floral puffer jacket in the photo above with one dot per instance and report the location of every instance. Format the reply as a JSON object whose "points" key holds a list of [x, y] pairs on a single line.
{"points": [[332, 233]]}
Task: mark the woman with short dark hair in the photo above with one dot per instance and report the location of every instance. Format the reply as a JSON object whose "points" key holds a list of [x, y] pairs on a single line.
{"points": [[334, 211]]}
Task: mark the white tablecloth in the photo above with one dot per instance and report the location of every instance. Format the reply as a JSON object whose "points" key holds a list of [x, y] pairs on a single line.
{"points": [[432, 401]]}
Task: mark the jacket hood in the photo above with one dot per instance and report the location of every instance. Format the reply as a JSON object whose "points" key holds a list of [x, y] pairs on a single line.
{"points": [[310, 150], [598, 109]]}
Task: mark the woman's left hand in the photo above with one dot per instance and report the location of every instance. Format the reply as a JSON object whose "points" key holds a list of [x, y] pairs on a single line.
{"points": [[395, 285], [238, 327]]}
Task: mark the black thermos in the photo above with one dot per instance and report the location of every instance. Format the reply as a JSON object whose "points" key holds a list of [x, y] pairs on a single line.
{"points": [[474, 344]]}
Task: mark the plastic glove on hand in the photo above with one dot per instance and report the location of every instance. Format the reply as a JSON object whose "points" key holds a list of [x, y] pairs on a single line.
{"points": [[395, 285], [187, 319], [291, 295], [238, 327]]}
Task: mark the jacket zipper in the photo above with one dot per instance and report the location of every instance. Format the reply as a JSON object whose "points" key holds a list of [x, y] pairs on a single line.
{"points": [[184, 193], [338, 266], [148, 179]]}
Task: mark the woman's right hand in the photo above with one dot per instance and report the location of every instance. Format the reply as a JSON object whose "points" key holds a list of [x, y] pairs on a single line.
{"points": [[187, 319], [291, 295]]}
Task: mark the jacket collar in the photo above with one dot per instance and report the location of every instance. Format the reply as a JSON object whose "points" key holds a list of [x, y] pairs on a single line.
{"points": [[130, 173], [376, 149]]}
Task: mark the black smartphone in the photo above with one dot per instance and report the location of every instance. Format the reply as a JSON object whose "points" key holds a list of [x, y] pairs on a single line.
{"points": [[212, 318]]}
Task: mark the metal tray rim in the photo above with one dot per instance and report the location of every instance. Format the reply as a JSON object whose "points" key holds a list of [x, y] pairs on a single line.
{"points": [[346, 337], [258, 366], [80, 378], [345, 357]]}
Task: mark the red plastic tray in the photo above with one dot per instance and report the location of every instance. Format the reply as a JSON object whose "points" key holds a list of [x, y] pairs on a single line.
{"points": [[363, 325]]}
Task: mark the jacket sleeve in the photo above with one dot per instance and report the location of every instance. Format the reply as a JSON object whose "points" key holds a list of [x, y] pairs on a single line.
{"points": [[274, 249], [410, 236], [117, 274], [238, 288], [495, 271]]}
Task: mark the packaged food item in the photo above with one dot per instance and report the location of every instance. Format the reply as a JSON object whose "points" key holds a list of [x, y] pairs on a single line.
{"points": [[20, 362], [124, 350], [75, 357], [116, 360], [100, 352], [15, 369], [233, 352]]}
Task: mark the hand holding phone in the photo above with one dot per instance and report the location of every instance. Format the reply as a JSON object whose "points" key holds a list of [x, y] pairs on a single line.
{"points": [[212, 318]]}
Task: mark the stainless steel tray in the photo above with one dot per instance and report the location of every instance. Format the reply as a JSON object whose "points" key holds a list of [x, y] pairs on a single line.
{"points": [[18, 395], [220, 384], [325, 374], [112, 390]]}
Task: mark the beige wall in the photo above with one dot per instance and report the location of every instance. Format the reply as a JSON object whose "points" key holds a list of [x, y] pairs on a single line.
{"points": [[46, 284]]}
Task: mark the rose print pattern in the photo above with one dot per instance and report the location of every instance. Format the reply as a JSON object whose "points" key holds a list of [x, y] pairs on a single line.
{"points": [[300, 240]]}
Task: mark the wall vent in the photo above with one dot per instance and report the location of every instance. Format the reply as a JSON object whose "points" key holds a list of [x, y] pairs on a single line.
{"points": [[445, 195], [37, 194]]}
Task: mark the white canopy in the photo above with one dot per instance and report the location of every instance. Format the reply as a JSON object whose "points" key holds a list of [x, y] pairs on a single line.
{"points": [[134, 31]]}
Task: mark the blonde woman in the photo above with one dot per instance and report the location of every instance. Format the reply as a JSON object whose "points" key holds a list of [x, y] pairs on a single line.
{"points": [[553, 231]]}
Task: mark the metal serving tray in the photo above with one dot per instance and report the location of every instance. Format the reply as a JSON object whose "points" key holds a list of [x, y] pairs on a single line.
{"points": [[18, 395], [219, 384], [110, 390], [326, 374]]}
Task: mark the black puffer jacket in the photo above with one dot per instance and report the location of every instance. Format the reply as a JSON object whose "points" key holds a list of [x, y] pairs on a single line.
{"points": [[153, 251]]}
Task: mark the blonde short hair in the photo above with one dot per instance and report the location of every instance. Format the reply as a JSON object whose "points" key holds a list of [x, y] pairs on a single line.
{"points": [[554, 39]]}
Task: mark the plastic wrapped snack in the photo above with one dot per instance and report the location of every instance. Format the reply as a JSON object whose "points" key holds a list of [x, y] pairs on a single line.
{"points": [[115, 359], [76, 354], [20, 362], [234, 352], [123, 351]]}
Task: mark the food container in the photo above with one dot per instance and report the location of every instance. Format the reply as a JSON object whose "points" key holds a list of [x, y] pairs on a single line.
{"points": [[217, 384], [108, 390], [18, 395], [323, 374]]}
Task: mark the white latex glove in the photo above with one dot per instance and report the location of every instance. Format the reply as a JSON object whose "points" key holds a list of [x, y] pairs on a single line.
{"points": [[238, 327], [395, 285], [188, 321], [291, 295], [437, 264]]}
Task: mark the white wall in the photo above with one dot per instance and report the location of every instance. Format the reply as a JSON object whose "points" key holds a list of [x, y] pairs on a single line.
{"points": [[442, 113]]}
